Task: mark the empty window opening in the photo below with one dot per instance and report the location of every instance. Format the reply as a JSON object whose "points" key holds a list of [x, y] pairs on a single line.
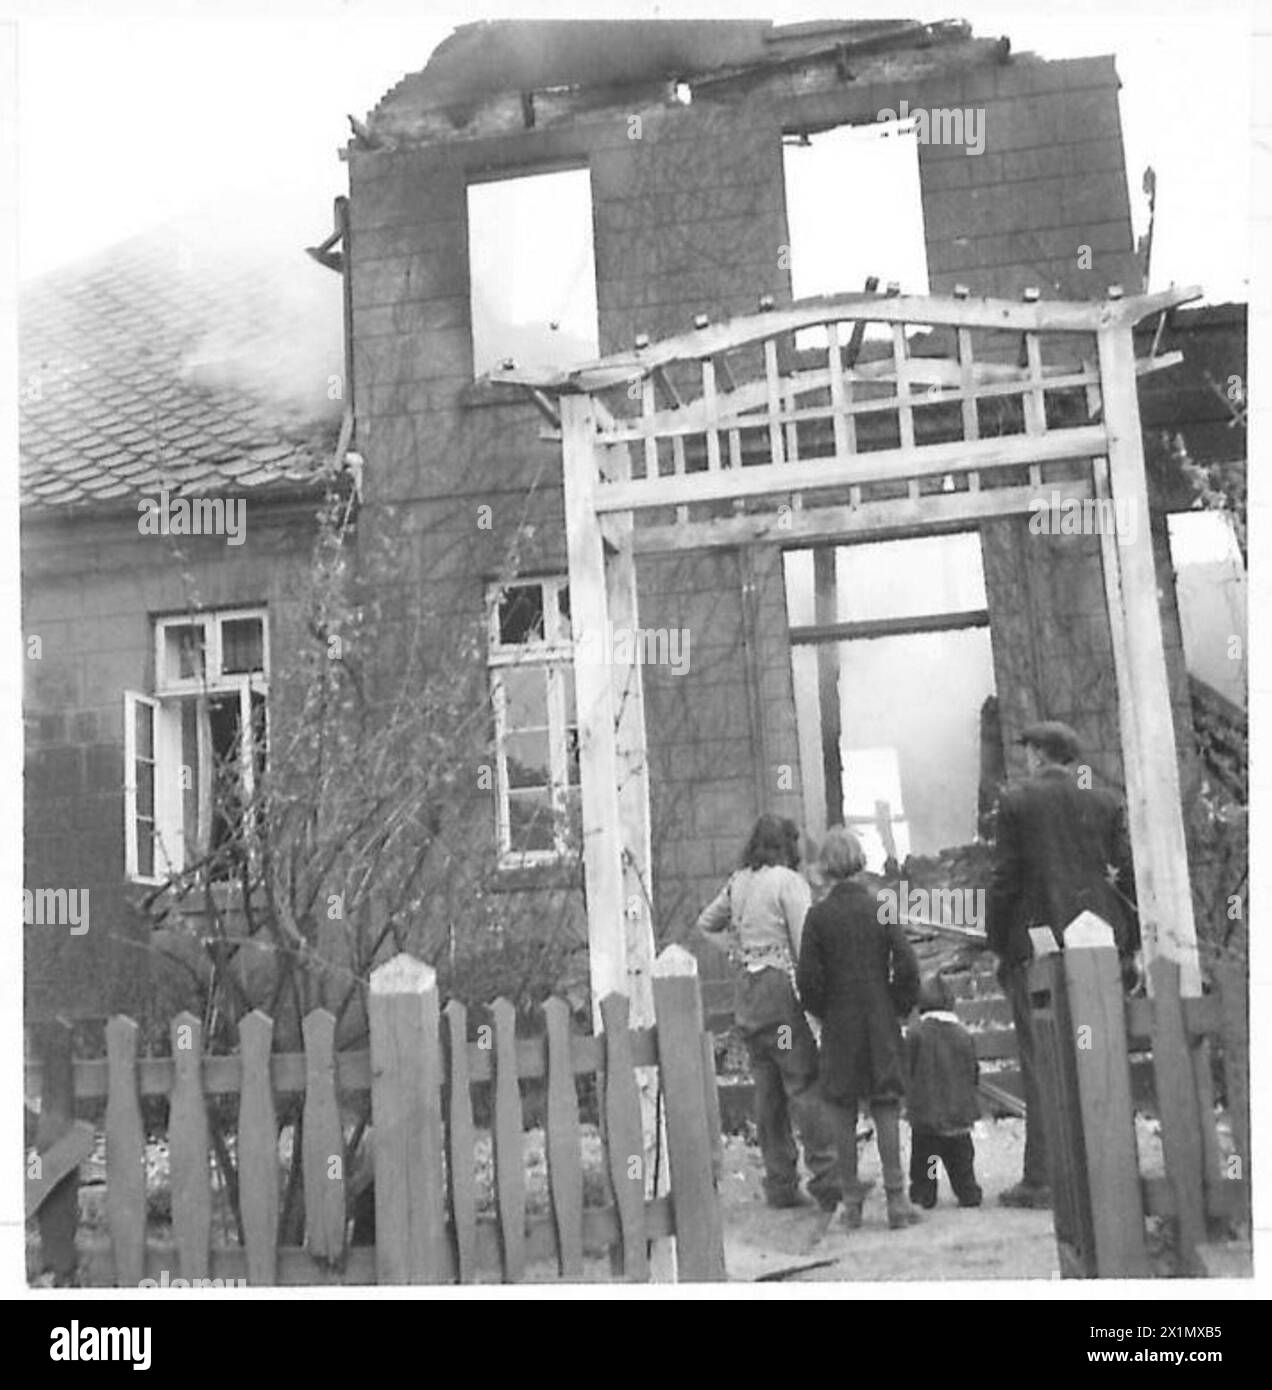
{"points": [[892, 666], [854, 208], [532, 271], [1210, 588]]}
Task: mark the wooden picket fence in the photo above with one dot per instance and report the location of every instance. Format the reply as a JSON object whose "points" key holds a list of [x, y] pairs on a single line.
{"points": [[420, 1069], [1086, 1033]]}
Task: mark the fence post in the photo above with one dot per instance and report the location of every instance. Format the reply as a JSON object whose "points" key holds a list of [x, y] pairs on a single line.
{"points": [[406, 1108], [678, 1015], [1180, 1113], [1061, 1114], [1097, 1020], [59, 1212], [125, 1155]]}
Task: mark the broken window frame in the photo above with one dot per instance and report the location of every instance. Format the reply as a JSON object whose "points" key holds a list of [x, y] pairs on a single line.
{"points": [[174, 844], [553, 653]]}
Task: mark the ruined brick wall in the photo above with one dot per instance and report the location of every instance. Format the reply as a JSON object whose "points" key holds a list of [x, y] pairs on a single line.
{"points": [[690, 218], [91, 590]]}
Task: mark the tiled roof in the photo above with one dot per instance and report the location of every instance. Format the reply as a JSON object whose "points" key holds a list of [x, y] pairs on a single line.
{"points": [[156, 364]]}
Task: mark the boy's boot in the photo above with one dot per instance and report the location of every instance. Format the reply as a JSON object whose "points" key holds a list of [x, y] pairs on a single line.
{"points": [[887, 1118]]}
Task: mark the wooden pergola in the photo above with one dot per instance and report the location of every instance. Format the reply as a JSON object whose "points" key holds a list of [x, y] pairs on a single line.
{"points": [[739, 432]]}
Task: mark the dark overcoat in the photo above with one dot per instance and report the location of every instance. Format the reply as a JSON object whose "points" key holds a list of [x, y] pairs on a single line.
{"points": [[1059, 848], [857, 975]]}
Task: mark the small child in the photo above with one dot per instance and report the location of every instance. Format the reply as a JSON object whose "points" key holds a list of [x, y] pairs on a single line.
{"points": [[941, 1098]]}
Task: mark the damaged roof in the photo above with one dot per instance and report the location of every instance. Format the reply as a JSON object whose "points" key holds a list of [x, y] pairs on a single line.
{"points": [[156, 364], [485, 60]]}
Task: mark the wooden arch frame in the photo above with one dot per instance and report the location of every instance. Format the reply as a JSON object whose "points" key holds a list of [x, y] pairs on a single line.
{"points": [[726, 437]]}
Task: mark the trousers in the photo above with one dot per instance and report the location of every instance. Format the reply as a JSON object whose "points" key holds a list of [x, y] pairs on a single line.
{"points": [[1015, 983], [886, 1115], [957, 1153], [784, 1066]]}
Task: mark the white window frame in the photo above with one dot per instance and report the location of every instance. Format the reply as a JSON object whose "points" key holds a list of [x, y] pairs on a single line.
{"points": [[175, 843], [553, 653]]}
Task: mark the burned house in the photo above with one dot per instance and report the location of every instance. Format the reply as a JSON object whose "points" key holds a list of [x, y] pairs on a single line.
{"points": [[541, 196]]}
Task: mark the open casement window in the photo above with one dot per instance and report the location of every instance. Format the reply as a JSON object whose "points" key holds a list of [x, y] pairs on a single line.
{"points": [[536, 731], [195, 750]]}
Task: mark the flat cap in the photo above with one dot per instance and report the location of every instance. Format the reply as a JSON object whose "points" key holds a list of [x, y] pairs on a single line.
{"points": [[1058, 741]]}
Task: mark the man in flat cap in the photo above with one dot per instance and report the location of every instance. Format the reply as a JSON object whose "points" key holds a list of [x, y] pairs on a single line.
{"points": [[1061, 848]]}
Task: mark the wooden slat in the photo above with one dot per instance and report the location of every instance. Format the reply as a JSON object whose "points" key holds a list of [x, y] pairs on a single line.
{"points": [[323, 1144], [72, 1147], [59, 1210], [125, 1154], [406, 1108], [510, 1163], [648, 408], [188, 1151], [905, 411], [1180, 1115], [996, 1044], [222, 1075], [1231, 976], [1102, 1068], [1045, 316], [773, 388], [884, 465], [460, 1139], [624, 1140], [1052, 1027], [835, 370], [979, 1012], [888, 627], [258, 1166], [600, 1233], [564, 1152], [710, 413], [699, 1230]]}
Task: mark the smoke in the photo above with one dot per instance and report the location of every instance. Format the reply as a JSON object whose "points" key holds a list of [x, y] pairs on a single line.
{"points": [[268, 318]]}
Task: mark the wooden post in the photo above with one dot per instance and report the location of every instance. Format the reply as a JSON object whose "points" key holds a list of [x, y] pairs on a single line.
{"points": [[258, 1149], [188, 1151], [594, 699], [1061, 1114], [678, 1005], [59, 1212], [508, 1145], [1181, 1117], [406, 1107], [323, 1146], [624, 1140], [1097, 1019], [613, 769], [125, 1155], [1150, 756]]}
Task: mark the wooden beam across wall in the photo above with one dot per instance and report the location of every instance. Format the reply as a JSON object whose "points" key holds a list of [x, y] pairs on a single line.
{"points": [[869, 628], [883, 465], [894, 517]]}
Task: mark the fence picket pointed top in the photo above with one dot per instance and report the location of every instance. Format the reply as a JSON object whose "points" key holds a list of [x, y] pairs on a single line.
{"points": [[318, 1018], [675, 960], [120, 1025], [555, 1005], [255, 1021], [186, 1019], [503, 1008], [404, 974], [455, 1008], [1088, 929]]}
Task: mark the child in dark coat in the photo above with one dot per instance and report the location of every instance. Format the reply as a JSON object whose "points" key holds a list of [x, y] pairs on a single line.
{"points": [[941, 1099]]}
